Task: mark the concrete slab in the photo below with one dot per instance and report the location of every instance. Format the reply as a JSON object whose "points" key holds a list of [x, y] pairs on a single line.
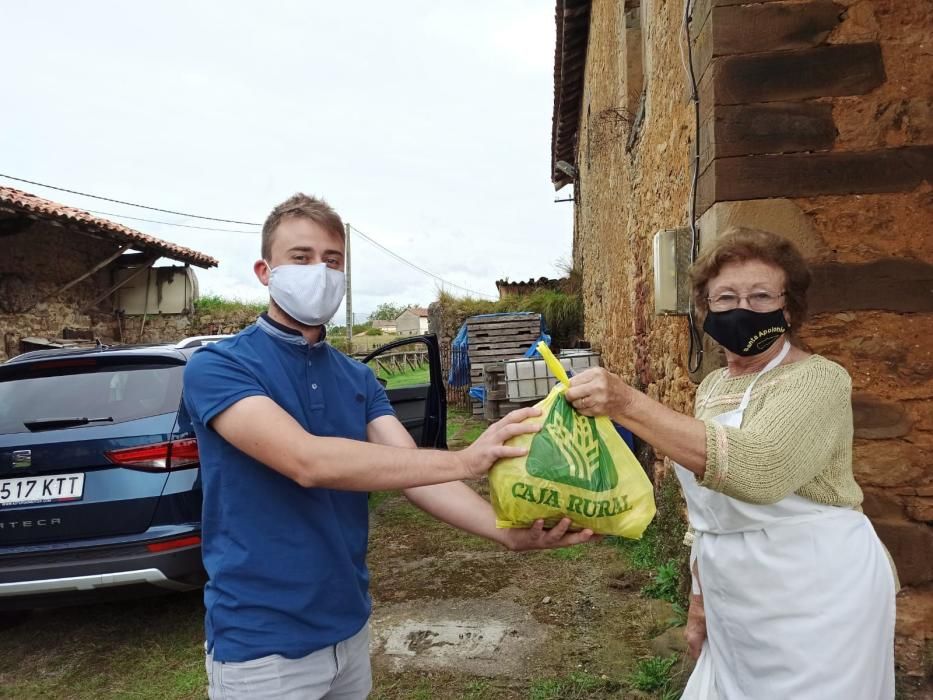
{"points": [[480, 636], [445, 638]]}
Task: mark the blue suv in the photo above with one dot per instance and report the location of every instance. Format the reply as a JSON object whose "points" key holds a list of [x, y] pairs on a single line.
{"points": [[100, 491], [99, 485]]}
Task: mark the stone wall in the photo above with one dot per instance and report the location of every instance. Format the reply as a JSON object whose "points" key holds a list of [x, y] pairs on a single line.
{"points": [[170, 328], [816, 123], [634, 179], [36, 262]]}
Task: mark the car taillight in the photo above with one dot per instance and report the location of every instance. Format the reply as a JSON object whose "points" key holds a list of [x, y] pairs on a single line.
{"points": [[173, 544], [162, 456]]}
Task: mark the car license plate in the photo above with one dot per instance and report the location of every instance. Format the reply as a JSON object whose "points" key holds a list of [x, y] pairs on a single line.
{"points": [[41, 489]]}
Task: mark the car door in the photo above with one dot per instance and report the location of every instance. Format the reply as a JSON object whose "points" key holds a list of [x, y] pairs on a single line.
{"points": [[410, 370]]}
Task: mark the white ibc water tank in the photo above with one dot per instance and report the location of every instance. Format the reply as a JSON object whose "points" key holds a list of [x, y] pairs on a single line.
{"points": [[528, 379]]}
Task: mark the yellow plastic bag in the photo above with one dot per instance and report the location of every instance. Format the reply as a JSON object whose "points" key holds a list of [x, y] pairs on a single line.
{"points": [[576, 467]]}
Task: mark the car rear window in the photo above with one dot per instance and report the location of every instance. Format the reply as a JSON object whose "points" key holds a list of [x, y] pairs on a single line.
{"points": [[121, 392]]}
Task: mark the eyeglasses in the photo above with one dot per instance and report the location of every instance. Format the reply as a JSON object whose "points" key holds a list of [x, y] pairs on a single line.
{"points": [[757, 301]]}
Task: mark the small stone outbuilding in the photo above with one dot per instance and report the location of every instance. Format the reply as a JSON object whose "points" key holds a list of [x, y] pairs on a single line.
{"points": [[62, 269]]}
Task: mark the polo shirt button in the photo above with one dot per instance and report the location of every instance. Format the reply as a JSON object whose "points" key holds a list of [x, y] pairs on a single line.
{"points": [[314, 386]]}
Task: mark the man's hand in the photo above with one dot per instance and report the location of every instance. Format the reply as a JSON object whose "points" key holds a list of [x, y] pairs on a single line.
{"points": [[489, 447], [536, 537], [695, 632]]}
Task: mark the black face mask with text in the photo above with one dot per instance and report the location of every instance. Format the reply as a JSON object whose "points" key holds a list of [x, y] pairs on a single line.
{"points": [[745, 332]]}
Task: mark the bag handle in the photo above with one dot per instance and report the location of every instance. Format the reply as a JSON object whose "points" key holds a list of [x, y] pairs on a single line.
{"points": [[553, 364]]}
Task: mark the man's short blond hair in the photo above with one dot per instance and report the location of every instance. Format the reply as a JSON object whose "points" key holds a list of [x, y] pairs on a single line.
{"points": [[300, 206]]}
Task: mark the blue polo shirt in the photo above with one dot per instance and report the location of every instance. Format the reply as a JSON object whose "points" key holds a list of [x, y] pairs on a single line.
{"points": [[286, 564]]}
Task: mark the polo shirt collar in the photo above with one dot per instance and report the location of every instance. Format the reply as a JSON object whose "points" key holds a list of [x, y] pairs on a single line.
{"points": [[286, 334]]}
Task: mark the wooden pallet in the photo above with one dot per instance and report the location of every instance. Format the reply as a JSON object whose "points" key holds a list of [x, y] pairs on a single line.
{"points": [[490, 342], [502, 318]]}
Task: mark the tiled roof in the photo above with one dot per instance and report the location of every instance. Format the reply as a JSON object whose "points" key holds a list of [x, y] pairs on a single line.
{"points": [[17, 201], [507, 287], [573, 29], [419, 311]]}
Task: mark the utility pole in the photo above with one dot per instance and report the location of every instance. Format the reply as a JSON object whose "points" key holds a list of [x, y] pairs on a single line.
{"points": [[349, 296]]}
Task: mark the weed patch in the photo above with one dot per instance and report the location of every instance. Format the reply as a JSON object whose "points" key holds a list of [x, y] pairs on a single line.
{"points": [[653, 674], [577, 685], [216, 304], [569, 553], [666, 584]]}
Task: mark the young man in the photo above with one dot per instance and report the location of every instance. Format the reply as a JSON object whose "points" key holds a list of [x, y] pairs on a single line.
{"points": [[292, 436]]}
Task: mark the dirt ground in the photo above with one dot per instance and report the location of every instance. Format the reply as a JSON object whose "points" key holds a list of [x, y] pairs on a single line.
{"points": [[456, 617]]}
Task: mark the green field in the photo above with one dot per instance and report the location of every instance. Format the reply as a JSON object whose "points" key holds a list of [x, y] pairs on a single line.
{"points": [[413, 377]]}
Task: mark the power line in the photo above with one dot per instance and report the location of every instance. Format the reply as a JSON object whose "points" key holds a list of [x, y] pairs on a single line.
{"points": [[416, 267], [130, 204], [224, 230], [256, 233], [172, 223]]}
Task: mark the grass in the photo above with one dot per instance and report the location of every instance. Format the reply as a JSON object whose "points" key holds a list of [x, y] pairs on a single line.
{"points": [[577, 685], [569, 553], [216, 304], [562, 311], [462, 427], [150, 648], [641, 554], [413, 377], [476, 690], [653, 674], [377, 498]]}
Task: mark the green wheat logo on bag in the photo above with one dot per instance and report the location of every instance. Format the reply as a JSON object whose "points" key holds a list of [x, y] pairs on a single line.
{"points": [[568, 450], [576, 467]]}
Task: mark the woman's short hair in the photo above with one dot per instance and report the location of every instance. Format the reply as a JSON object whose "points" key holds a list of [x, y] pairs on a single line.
{"points": [[739, 244]]}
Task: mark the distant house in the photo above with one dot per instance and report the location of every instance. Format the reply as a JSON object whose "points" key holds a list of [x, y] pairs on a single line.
{"points": [[385, 326], [67, 275], [412, 321]]}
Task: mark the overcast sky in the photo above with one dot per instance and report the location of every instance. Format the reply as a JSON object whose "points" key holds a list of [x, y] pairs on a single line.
{"points": [[426, 124]]}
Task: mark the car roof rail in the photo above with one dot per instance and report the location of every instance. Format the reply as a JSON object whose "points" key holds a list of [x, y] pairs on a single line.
{"points": [[197, 341]]}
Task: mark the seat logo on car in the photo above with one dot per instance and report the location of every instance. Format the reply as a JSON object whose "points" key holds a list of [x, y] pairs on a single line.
{"points": [[22, 459]]}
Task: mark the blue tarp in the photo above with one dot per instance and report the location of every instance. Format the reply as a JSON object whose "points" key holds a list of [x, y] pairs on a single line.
{"points": [[460, 353]]}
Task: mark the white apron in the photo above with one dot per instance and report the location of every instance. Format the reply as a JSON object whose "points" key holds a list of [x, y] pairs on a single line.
{"points": [[799, 596]]}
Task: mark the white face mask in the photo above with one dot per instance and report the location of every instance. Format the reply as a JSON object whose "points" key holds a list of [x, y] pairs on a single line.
{"points": [[310, 294]]}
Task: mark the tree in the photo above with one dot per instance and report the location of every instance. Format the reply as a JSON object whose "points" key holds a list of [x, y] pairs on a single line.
{"points": [[386, 311]]}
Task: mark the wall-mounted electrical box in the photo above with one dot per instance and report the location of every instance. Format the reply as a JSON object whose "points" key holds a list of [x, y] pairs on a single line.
{"points": [[671, 262]]}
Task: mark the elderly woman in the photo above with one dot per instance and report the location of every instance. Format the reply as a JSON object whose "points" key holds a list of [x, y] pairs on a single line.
{"points": [[797, 589]]}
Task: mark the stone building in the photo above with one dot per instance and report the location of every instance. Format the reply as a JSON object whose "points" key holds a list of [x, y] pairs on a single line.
{"points": [[815, 121], [62, 271]]}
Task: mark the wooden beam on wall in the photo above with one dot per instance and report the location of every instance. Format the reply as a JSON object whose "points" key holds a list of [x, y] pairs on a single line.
{"points": [[765, 27], [825, 71], [771, 127], [890, 284], [143, 268], [814, 174]]}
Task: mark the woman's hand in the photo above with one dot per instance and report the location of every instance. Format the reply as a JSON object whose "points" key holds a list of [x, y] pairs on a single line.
{"points": [[695, 632], [599, 392]]}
